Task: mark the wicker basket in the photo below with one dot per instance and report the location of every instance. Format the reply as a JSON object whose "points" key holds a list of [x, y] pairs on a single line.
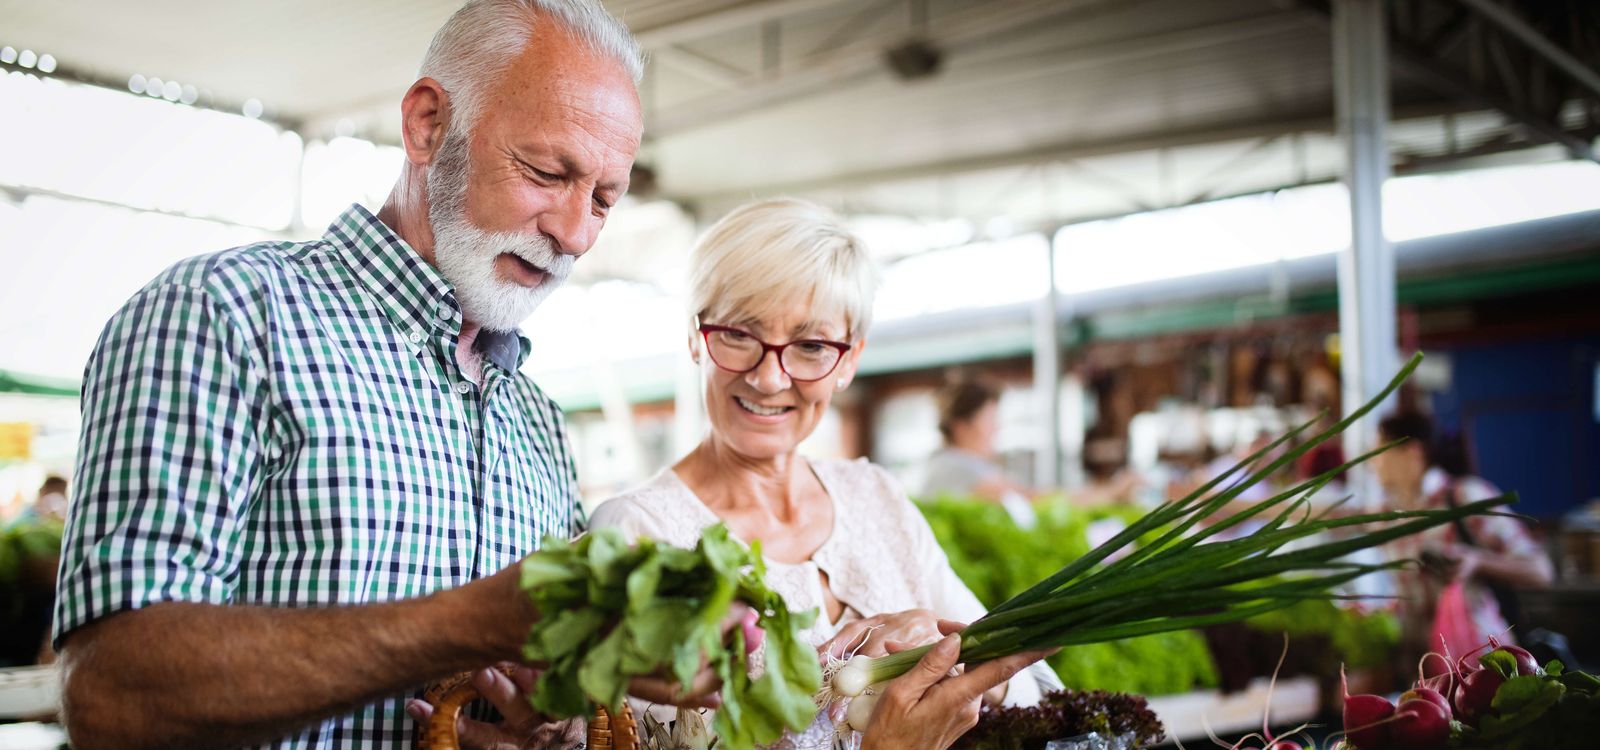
{"points": [[607, 731]]}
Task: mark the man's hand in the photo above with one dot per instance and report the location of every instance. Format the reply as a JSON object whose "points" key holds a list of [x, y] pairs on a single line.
{"points": [[928, 707], [521, 727], [702, 690], [869, 635]]}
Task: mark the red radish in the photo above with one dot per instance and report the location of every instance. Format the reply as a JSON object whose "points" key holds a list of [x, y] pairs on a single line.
{"points": [[1284, 745], [1474, 696], [1365, 718], [1365, 721], [1426, 694], [1526, 664], [1420, 724]]}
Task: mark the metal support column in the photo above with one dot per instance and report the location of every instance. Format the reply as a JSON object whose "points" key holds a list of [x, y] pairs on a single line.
{"points": [[1047, 378], [1367, 268]]}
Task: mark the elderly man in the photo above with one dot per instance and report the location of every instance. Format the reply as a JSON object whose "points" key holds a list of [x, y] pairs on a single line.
{"points": [[307, 469]]}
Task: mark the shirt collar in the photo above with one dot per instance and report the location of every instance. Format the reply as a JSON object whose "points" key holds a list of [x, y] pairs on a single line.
{"points": [[414, 297]]}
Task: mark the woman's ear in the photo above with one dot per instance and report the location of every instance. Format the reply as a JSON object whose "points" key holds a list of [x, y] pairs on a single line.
{"points": [[694, 346], [847, 365]]}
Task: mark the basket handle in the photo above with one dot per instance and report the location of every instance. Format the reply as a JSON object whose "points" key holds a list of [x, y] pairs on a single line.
{"points": [[607, 731]]}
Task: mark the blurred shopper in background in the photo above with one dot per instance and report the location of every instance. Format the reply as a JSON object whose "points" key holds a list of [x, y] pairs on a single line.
{"points": [[51, 502], [1459, 595], [968, 466]]}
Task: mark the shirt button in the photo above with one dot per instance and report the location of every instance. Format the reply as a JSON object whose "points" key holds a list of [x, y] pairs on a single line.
{"points": [[415, 337], [463, 387], [446, 314]]}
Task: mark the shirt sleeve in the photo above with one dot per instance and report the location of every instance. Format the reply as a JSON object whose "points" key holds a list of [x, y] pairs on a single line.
{"points": [[168, 455]]}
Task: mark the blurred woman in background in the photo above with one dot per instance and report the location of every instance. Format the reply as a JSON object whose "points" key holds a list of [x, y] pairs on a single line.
{"points": [[1455, 597]]}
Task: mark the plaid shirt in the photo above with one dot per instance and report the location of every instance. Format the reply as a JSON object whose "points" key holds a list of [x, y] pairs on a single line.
{"points": [[285, 424]]}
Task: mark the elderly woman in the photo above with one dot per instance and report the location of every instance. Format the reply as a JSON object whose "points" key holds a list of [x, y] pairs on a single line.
{"points": [[781, 298]]}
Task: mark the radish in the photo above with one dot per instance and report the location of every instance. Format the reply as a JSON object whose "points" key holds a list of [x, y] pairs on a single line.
{"points": [[1474, 696], [1284, 745], [1526, 664], [1427, 694], [1365, 718], [1420, 724]]}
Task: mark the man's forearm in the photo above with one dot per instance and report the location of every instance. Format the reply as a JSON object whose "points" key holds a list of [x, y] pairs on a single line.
{"points": [[184, 675]]}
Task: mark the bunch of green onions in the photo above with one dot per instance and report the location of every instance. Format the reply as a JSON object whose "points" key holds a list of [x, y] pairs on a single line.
{"points": [[1178, 580]]}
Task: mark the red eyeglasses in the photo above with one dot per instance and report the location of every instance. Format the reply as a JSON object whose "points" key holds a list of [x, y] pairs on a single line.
{"points": [[803, 360]]}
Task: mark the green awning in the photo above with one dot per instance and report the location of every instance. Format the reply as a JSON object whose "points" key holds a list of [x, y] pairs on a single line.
{"points": [[37, 385]]}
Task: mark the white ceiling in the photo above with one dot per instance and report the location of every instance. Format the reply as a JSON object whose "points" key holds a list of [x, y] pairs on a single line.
{"points": [[1045, 111]]}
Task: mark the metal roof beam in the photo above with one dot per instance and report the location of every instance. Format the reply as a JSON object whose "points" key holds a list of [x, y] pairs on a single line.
{"points": [[829, 70], [1509, 22], [1307, 122], [724, 19], [1414, 61]]}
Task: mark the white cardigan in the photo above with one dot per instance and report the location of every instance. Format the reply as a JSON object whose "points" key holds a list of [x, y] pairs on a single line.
{"points": [[881, 558]]}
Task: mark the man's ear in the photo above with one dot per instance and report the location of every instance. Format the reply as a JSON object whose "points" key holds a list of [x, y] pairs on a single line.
{"points": [[424, 118]]}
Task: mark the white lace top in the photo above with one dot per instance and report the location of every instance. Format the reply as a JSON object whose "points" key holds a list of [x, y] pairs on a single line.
{"points": [[880, 558]]}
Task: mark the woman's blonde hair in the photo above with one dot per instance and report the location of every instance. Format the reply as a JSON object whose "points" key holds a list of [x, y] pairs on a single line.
{"points": [[765, 255]]}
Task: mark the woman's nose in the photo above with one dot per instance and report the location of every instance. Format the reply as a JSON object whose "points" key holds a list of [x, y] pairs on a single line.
{"points": [[768, 375]]}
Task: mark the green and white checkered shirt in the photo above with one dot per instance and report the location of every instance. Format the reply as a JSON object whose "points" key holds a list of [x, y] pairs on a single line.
{"points": [[285, 424]]}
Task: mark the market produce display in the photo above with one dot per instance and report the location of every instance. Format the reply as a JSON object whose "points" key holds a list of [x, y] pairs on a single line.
{"points": [[610, 612], [1506, 702], [1068, 713], [28, 551], [1178, 580]]}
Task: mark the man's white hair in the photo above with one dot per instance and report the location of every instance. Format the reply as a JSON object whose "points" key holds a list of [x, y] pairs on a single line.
{"points": [[767, 255], [480, 40]]}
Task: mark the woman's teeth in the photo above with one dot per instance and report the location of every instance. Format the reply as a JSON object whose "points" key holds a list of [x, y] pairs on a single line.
{"points": [[765, 411]]}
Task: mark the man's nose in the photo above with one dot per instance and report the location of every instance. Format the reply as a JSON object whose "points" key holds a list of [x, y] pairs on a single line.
{"points": [[570, 223]]}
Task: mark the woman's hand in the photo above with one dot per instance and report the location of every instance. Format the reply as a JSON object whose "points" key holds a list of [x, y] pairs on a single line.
{"points": [[868, 636], [928, 708]]}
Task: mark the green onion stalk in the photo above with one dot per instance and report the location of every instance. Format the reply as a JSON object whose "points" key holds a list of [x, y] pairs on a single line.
{"points": [[1183, 578]]}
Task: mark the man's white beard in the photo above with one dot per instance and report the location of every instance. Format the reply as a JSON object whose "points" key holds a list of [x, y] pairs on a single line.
{"points": [[465, 255]]}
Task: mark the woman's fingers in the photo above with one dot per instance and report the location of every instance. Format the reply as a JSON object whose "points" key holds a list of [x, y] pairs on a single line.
{"points": [[946, 627]]}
